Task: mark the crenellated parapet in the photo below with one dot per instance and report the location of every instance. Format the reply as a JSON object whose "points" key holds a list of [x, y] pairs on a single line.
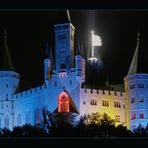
{"points": [[30, 92], [102, 92]]}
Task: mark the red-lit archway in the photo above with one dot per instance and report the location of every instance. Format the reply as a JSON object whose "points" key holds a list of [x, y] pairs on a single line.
{"points": [[63, 102]]}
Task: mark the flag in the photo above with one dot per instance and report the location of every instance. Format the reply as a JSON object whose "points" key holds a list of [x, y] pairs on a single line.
{"points": [[96, 40]]}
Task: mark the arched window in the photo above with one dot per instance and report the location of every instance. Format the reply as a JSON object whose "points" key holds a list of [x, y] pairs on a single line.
{"points": [[63, 102]]}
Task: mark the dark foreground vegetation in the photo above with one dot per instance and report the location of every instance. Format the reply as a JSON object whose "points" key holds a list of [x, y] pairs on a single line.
{"points": [[68, 125]]}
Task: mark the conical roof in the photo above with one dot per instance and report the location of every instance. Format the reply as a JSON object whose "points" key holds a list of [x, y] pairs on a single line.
{"points": [[7, 61], [133, 66]]}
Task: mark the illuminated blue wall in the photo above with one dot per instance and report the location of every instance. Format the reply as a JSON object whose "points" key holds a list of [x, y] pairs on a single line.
{"points": [[138, 99]]}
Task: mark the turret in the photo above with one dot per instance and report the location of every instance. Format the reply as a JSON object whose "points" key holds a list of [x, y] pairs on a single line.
{"points": [[47, 64], [80, 63], [8, 83], [136, 95], [9, 79], [64, 47]]}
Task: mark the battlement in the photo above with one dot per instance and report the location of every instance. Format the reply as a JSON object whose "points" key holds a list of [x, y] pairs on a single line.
{"points": [[102, 92], [31, 92]]}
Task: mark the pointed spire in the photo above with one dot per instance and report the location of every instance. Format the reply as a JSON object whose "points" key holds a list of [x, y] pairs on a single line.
{"points": [[133, 67], [7, 61], [78, 51]]}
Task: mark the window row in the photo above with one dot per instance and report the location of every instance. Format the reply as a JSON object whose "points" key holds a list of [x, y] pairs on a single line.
{"points": [[141, 99], [105, 103], [62, 36], [93, 102], [117, 104], [28, 118], [140, 85], [134, 116], [132, 86]]}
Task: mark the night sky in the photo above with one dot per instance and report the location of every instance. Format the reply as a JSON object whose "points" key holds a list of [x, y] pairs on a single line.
{"points": [[29, 31]]}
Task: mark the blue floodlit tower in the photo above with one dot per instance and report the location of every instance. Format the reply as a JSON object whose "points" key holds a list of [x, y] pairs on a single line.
{"points": [[136, 95]]}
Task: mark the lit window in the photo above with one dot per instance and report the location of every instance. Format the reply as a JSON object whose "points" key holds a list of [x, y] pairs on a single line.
{"points": [[63, 102], [141, 115], [133, 116], [117, 118]]}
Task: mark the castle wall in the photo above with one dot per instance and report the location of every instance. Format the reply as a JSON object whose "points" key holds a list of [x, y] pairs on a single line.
{"points": [[104, 102]]}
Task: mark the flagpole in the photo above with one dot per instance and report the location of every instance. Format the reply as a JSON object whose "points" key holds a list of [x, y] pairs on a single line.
{"points": [[92, 49]]}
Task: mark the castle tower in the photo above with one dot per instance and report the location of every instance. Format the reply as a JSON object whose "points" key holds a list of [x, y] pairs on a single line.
{"points": [[47, 64], [80, 63], [136, 95], [8, 84], [64, 45]]}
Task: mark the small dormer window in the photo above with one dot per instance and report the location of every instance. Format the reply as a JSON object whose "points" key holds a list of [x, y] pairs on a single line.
{"points": [[141, 115]]}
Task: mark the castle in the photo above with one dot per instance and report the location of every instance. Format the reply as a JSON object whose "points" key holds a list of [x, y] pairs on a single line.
{"points": [[62, 90]]}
